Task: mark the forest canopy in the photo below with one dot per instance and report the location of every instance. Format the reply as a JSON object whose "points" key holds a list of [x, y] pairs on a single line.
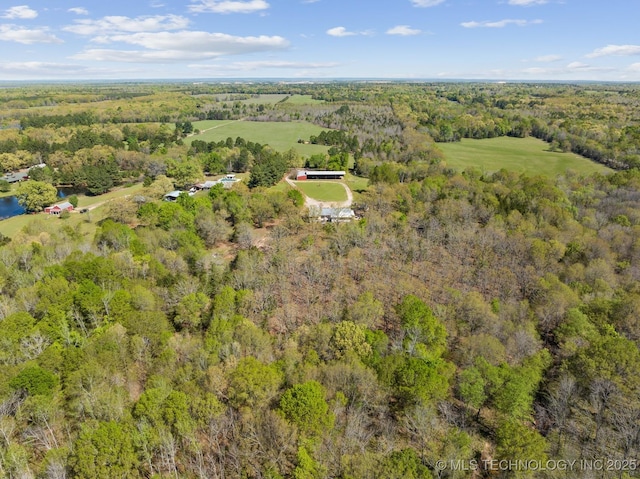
{"points": [[464, 317]]}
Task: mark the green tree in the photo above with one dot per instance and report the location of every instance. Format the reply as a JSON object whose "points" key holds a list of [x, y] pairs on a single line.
{"points": [[33, 196], [471, 387], [184, 172], [189, 310], [349, 337], [163, 408], [367, 310], [73, 199], [252, 383], [415, 380], [99, 178], [421, 327], [104, 452], [307, 467], [515, 441], [35, 381], [404, 464], [305, 406]]}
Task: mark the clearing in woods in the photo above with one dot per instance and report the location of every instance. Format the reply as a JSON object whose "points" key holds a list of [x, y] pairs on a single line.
{"points": [[281, 136], [525, 155]]}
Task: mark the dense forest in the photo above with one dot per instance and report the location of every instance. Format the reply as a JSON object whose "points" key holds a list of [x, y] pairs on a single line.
{"points": [[468, 324]]}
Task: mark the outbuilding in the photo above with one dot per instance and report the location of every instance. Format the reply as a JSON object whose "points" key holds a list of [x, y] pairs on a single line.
{"points": [[302, 175], [173, 196], [58, 208]]}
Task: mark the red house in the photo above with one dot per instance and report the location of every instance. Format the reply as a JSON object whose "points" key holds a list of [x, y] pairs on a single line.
{"points": [[59, 208]]}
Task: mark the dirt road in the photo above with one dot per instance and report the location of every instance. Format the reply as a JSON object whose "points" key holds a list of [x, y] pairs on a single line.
{"points": [[310, 202]]}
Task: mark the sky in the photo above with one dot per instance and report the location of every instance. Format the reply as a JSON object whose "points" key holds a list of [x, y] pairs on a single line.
{"points": [[557, 40]]}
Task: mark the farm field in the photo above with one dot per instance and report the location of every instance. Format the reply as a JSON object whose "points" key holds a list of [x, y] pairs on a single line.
{"points": [[281, 136], [270, 99], [303, 100], [526, 155], [323, 190]]}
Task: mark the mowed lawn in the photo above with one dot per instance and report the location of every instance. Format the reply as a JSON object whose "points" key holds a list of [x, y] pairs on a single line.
{"points": [[526, 155], [12, 226], [323, 190], [281, 136]]}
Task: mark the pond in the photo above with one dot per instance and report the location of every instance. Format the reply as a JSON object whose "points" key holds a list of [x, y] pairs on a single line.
{"points": [[10, 207]]}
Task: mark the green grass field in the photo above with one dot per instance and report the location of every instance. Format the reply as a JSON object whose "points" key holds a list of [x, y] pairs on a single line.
{"points": [[11, 226], [302, 100], [527, 155], [357, 184], [323, 190], [272, 99], [266, 99], [281, 136]]}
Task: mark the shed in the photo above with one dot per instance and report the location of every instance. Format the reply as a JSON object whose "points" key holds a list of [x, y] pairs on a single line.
{"points": [[207, 185], [58, 208], [319, 175], [173, 196]]}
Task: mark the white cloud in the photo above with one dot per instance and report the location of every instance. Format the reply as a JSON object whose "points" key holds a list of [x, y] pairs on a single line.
{"points": [[617, 50], [39, 68], [79, 11], [266, 64], [118, 24], [500, 23], [577, 66], [548, 58], [426, 3], [526, 3], [22, 12], [179, 46], [14, 33], [634, 67], [404, 30], [228, 6], [340, 32]]}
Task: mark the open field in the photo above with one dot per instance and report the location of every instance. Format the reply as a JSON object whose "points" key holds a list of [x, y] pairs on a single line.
{"points": [[11, 226], [303, 100], [357, 184], [86, 222], [8, 193], [266, 99], [323, 190], [527, 155], [281, 136], [271, 99]]}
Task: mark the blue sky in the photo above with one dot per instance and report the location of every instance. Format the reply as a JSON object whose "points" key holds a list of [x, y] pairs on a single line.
{"points": [[561, 40]]}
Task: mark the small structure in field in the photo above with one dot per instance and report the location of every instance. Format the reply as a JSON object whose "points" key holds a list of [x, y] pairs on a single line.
{"points": [[328, 214], [228, 181], [207, 185], [302, 175], [58, 208], [173, 196]]}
